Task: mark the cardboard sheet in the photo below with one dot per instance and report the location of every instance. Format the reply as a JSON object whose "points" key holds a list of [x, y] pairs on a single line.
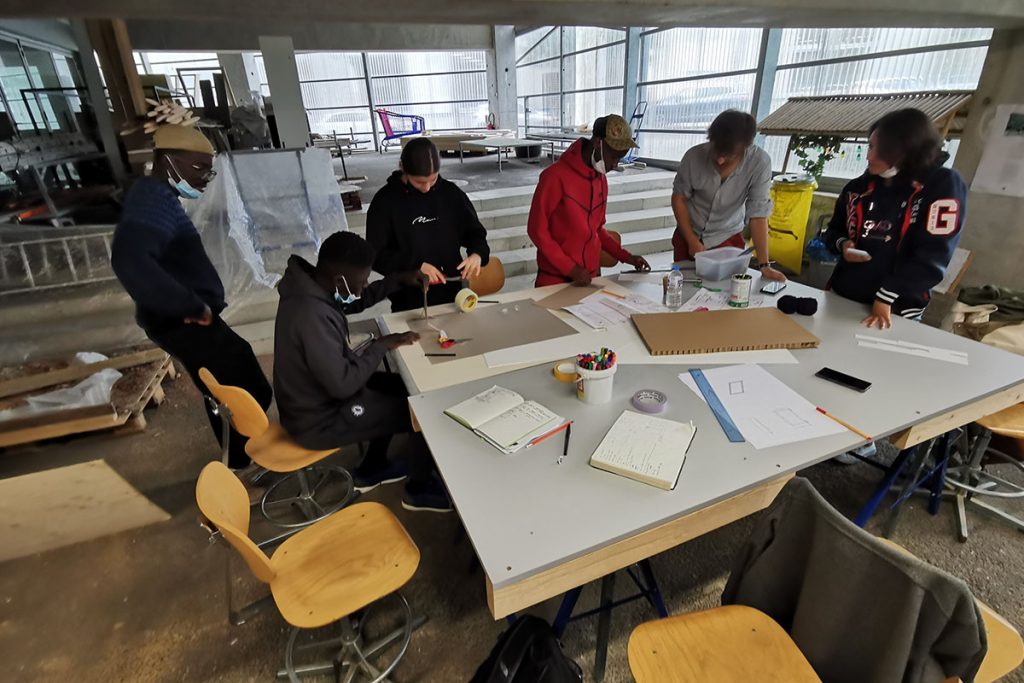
{"points": [[490, 328], [715, 331], [567, 297], [66, 505]]}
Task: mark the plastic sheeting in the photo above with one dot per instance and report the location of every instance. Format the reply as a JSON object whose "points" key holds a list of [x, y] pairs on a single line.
{"points": [[94, 390], [262, 207]]}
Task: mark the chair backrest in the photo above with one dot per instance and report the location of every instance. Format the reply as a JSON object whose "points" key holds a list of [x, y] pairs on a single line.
{"points": [[815, 573], [385, 121], [607, 260], [247, 417], [491, 278], [223, 501]]}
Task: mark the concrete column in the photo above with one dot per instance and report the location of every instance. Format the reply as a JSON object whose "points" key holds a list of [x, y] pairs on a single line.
{"points": [[240, 71], [632, 74], [567, 80], [994, 227], [767, 63], [501, 79], [98, 98], [285, 93]]}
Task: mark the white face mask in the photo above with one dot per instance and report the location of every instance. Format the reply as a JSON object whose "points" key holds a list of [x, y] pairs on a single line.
{"points": [[182, 186], [345, 300], [890, 172], [597, 160]]}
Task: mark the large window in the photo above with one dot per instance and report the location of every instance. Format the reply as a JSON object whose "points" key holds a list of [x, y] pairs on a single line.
{"points": [[848, 61], [567, 76], [39, 86], [689, 76], [184, 71]]}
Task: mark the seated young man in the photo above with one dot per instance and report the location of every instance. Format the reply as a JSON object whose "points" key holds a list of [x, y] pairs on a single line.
{"points": [[329, 395]]}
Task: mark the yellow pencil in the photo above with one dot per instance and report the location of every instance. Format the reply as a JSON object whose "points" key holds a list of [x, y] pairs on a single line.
{"points": [[617, 296], [845, 424]]}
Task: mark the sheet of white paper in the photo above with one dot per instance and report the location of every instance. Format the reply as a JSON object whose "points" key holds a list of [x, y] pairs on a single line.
{"points": [[719, 301], [602, 311], [549, 349], [920, 353], [912, 345], [767, 412], [1001, 170]]}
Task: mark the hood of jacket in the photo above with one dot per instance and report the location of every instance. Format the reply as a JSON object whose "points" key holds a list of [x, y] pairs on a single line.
{"points": [[298, 282]]}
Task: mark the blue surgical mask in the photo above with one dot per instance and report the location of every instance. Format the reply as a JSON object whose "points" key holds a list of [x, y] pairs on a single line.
{"points": [[345, 300], [182, 186]]}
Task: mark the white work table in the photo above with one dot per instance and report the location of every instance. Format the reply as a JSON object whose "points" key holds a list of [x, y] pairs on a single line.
{"points": [[541, 529]]}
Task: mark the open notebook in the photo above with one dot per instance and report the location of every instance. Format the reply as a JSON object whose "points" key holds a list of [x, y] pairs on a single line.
{"points": [[645, 448], [504, 419]]}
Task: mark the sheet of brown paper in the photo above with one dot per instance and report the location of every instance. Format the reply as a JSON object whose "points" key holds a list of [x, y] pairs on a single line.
{"points": [[751, 329], [568, 296], [489, 328]]}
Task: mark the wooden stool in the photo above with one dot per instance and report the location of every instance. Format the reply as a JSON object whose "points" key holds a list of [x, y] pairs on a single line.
{"points": [[973, 479], [323, 574], [731, 644], [607, 260], [270, 447]]}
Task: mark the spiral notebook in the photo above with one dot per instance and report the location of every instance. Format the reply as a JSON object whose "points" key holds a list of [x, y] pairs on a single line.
{"points": [[645, 448], [756, 329]]}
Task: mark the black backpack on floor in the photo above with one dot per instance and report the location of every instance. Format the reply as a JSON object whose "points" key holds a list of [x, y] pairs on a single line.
{"points": [[528, 652]]}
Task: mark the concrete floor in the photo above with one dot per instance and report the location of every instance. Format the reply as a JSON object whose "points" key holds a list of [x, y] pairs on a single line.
{"points": [[150, 605]]}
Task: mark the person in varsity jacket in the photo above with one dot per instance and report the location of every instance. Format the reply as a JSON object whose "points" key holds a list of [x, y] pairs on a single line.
{"points": [[896, 226]]}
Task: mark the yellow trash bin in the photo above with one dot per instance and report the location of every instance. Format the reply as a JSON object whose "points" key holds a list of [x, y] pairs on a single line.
{"points": [[792, 194]]}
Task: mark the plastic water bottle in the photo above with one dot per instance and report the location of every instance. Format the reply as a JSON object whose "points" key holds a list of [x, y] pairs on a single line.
{"points": [[674, 291]]}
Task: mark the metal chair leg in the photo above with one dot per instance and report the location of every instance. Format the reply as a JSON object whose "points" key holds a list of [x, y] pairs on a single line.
{"points": [[883, 487]]}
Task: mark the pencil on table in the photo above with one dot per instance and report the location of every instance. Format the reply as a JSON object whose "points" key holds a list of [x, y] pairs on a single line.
{"points": [[845, 424]]}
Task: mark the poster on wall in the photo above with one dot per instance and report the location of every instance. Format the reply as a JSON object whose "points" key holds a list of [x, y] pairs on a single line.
{"points": [[1001, 170]]}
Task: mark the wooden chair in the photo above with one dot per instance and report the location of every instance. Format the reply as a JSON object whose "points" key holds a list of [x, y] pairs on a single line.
{"points": [[270, 447], [607, 260], [736, 643], [491, 278], [973, 479], [323, 574]]}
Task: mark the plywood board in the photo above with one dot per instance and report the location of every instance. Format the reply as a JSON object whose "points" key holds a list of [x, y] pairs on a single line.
{"points": [[714, 331], [489, 328], [569, 296], [58, 507]]}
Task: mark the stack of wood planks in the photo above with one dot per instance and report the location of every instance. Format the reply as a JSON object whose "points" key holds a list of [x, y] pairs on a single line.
{"points": [[143, 372]]}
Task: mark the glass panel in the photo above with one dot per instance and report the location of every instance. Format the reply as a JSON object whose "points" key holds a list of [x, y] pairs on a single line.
{"points": [[669, 146], [208, 58], [315, 66], [14, 79], [402, 63], [538, 79], [542, 113], [951, 69], [333, 94], [390, 91], [462, 116], [597, 69], [682, 52], [53, 107], [851, 162], [547, 48], [809, 44], [341, 121], [582, 37], [521, 112], [693, 105], [582, 108]]}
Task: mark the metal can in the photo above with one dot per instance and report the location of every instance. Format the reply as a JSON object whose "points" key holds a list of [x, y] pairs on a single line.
{"points": [[739, 297]]}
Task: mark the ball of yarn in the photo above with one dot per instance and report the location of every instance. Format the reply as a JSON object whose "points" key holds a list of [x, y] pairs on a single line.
{"points": [[787, 304], [806, 306]]}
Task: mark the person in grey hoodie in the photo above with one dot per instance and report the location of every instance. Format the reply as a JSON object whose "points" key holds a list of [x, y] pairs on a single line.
{"points": [[330, 395]]}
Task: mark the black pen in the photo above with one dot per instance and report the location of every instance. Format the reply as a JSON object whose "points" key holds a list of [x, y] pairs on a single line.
{"points": [[439, 355], [565, 444]]}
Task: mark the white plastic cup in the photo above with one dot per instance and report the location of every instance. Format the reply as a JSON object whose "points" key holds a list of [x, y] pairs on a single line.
{"points": [[594, 386]]}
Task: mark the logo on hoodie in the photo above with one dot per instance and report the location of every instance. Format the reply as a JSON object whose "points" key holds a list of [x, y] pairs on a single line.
{"points": [[423, 219], [358, 410]]}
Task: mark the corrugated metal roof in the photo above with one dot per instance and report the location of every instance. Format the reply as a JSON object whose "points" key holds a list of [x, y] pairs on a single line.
{"points": [[852, 115]]}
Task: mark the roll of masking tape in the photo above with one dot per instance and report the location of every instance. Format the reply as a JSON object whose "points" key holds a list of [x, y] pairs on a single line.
{"points": [[650, 401], [565, 372], [466, 300]]}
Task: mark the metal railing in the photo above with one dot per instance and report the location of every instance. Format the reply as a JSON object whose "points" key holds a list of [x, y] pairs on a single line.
{"points": [[55, 262]]}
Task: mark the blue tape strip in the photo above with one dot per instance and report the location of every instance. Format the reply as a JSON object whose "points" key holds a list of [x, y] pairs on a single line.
{"points": [[719, 411]]}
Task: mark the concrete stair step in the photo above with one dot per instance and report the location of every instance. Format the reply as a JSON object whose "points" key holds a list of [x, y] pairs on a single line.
{"points": [[523, 261], [630, 201], [505, 239], [512, 197]]}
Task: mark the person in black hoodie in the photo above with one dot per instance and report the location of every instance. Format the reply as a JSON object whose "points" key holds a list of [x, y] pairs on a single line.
{"points": [[330, 395], [896, 227], [419, 220]]}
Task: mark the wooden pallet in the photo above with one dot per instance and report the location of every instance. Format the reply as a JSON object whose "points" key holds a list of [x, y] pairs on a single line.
{"points": [[139, 387]]}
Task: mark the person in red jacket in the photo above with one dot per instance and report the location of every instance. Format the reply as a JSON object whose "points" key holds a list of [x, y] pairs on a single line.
{"points": [[568, 212]]}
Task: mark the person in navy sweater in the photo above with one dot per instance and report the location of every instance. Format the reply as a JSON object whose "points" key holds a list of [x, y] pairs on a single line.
{"points": [[896, 227], [159, 259]]}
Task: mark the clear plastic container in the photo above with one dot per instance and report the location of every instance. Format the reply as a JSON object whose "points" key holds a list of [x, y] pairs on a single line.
{"points": [[721, 263], [674, 289]]}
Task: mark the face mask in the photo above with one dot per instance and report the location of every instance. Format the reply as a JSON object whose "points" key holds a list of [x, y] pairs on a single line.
{"points": [[598, 163], [890, 172], [183, 187], [345, 300]]}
